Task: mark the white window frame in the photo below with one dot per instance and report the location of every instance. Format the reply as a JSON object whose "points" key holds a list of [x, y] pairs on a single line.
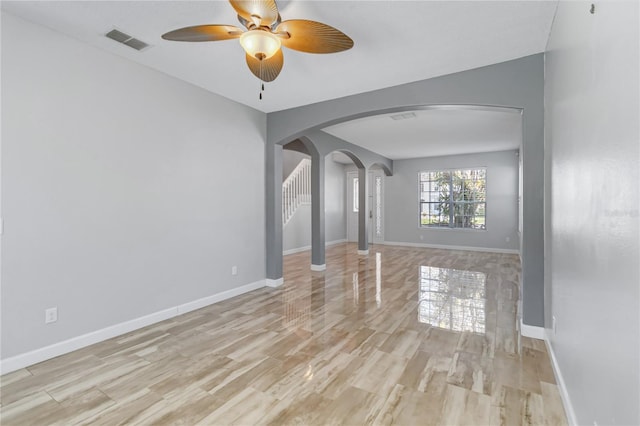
{"points": [[356, 195], [452, 223]]}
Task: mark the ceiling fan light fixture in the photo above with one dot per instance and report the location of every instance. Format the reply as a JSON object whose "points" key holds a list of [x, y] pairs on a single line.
{"points": [[260, 44], [266, 34]]}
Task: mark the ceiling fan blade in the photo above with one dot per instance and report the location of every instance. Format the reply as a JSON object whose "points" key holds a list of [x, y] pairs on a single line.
{"points": [[268, 69], [204, 33], [266, 10], [313, 37]]}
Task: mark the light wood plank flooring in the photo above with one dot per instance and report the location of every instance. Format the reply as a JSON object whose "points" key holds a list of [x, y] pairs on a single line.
{"points": [[405, 336]]}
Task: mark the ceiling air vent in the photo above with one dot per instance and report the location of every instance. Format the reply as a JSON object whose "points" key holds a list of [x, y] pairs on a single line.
{"points": [[126, 39], [404, 116]]}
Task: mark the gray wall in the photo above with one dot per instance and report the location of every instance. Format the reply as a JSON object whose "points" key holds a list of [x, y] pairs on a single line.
{"points": [[119, 196], [592, 137], [290, 160], [297, 232], [334, 200], [402, 202], [518, 83]]}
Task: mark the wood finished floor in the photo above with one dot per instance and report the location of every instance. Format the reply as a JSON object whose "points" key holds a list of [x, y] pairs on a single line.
{"points": [[352, 345]]}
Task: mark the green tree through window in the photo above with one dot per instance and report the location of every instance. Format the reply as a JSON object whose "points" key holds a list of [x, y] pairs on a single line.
{"points": [[453, 198]]}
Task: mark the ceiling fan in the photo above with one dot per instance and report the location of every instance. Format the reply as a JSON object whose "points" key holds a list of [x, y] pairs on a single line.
{"points": [[265, 34]]}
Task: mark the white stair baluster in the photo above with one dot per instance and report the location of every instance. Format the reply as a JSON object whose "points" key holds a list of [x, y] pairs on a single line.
{"points": [[296, 190]]}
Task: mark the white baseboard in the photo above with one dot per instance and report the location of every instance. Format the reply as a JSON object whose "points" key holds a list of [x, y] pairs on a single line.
{"points": [[219, 297], [307, 248], [274, 283], [296, 250], [447, 247], [363, 252], [17, 362], [319, 268], [566, 401], [531, 331]]}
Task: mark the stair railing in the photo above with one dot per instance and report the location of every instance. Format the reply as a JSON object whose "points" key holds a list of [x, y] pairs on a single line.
{"points": [[296, 190]]}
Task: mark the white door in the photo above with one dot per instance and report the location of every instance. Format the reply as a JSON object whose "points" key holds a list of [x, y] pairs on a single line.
{"points": [[376, 206]]}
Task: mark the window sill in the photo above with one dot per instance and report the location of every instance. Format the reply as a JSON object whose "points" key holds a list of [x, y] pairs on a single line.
{"points": [[424, 228]]}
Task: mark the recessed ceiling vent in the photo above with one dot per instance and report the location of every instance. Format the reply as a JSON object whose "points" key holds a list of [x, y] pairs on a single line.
{"points": [[404, 116], [126, 39]]}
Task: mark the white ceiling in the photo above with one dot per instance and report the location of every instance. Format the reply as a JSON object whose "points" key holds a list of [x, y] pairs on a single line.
{"points": [[435, 131], [396, 42]]}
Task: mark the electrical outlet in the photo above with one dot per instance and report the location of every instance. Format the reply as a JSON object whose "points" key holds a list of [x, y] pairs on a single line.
{"points": [[234, 270], [51, 315], [507, 239]]}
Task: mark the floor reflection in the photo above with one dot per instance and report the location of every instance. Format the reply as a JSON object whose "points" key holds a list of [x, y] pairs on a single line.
{"points": [[303, 304], [378, 279], [356, 289], [296, 304], [452, 299]]}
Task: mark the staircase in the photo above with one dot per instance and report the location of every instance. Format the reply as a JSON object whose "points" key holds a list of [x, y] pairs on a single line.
{"points": [[296, 190]]}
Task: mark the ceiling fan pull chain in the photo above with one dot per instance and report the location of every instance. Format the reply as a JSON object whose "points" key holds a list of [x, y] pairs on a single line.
{"points": [[261, 81]]}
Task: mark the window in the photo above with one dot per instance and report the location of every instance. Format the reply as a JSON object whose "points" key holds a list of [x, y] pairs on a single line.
{"points": [[378, 206], [356, 196], [453, 199]]}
